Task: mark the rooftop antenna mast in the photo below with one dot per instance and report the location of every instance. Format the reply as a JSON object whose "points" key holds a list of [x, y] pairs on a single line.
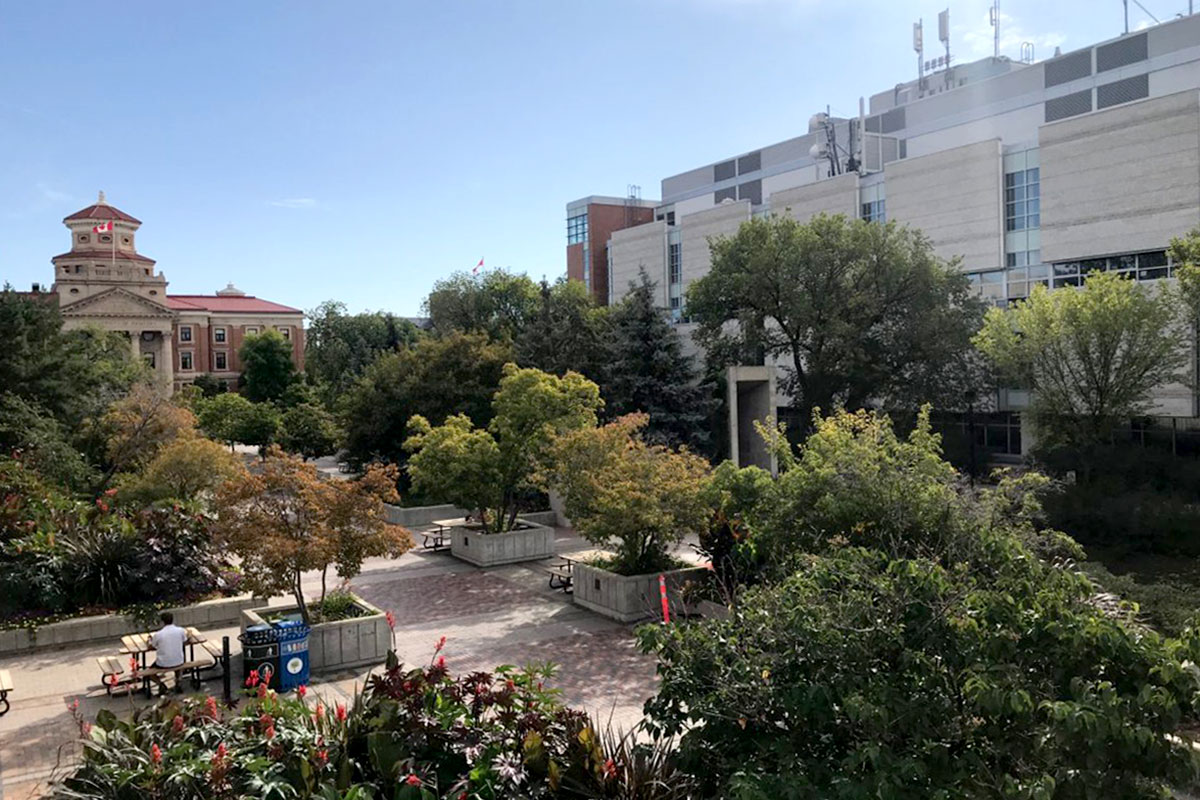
{"points": [[944, 37], [995, 20], [919, 47]]}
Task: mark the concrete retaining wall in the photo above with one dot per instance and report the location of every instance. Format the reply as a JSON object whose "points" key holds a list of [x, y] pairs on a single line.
{"points": [[491, 549], [218, 613], [627, 598], [423, 516], [347, 643]]}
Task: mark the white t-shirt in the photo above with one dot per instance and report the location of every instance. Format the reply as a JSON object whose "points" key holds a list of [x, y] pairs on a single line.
{"points": [[168, 646]]}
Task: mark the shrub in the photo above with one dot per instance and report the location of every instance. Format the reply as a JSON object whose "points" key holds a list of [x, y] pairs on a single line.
{"points": [[619, 490], [412, 734]]}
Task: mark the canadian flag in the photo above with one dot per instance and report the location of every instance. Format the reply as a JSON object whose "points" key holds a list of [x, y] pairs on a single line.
{"points": [[478, 267], [103, 227]]}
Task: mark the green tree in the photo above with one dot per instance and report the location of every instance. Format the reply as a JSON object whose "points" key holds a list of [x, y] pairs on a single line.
{"points": [[567, 332], [440, 376], [620, 491], [267, 367], [491, 470], [184, 470], [209, 385], [1091, 357], [258, 426], [495, 302], [28, 429], [853, 311], [339, 346], [308, 431], [647, 371], [220, 416], [919, 640]]}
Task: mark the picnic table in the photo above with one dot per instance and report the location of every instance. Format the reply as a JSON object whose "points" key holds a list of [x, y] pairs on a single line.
{"points": [[435, 538], [139, 646], [562, 571]]}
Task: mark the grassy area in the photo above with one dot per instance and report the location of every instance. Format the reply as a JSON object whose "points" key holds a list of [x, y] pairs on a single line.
{"points": [[1165, 588]]}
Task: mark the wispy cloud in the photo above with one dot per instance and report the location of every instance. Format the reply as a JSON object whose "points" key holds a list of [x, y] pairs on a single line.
{"points": [[294, 202], [51, 195], [976, 40]]}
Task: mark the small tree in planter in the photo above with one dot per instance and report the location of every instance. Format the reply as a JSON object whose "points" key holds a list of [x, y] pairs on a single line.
{"points": [[284, 519], [619, 490], [490, 470]]}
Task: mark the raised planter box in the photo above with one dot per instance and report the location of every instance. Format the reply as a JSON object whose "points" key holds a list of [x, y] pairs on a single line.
{"points": [[355, 642], [219, 613], [421, 516], [628, 598], [528, 543]]}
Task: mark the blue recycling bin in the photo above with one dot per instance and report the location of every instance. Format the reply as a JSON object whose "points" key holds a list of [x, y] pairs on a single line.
{"points": [[293, 653]]}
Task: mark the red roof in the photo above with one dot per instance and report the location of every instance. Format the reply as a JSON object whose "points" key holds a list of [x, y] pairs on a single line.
{"points": [[102, 211], [104, 255], [230, 305]]}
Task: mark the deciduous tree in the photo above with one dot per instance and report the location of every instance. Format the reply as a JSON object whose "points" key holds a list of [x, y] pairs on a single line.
{"points": [[267, 366], [309, 431], [339, 346], [853, 311], [496, 302], [1090, 357], [567, 332], [490, 470], [283, 520], [185, 469]]}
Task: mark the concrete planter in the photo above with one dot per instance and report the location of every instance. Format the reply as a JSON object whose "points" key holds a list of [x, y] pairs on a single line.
{"points": [[528, 543], [218, 613], [347, 643], [422, 516], [628, 598]]}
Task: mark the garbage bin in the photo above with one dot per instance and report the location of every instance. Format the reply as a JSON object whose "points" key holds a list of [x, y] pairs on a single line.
{"points": [[260, 653], [293, 654]]}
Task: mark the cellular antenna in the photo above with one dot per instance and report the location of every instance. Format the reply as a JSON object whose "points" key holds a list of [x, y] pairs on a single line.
{"points": [[994, 17]]}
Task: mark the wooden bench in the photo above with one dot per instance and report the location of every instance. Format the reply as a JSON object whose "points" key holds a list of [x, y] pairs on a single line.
{"points": [[6, 686], [155, 674], [436, 538], [560, 575], [110, 667]]}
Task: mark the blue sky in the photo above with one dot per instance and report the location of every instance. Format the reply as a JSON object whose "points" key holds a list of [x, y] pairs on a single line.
{"points": [[361, 150]]}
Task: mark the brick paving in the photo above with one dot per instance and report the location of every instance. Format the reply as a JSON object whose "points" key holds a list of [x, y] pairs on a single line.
{"points": [[503, 615]]}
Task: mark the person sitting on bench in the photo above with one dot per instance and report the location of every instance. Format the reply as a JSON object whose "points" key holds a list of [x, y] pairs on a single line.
{"points": [[168, 644]]}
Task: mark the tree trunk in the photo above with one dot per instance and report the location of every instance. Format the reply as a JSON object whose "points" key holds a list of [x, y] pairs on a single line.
{"points": [[324, 572], [299, 594]]}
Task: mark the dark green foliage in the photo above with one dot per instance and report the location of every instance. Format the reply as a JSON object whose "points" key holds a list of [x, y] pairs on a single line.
{"points": [[209, 385], [40, 439], [855, 312], [440, 376], [496, 303], [267, 367], [568, 332], [647, 371], [309, 431], [339, 346], [914, 639], [258, 426]]}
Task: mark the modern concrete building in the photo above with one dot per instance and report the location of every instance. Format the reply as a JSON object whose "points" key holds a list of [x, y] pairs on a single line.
{"points": [[590, 223], [104, 281], [1026, 173]]}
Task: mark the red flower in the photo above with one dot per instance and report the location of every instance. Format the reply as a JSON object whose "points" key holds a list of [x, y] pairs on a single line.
{"points": [[210, 706], [269, 732], [340, 712], [252, 678], [322, 757], [391, 620], [177, 724], [262, 690], [75, 705], [440, 644], [508, 684], [319, 714], [155, 754], [268, 725], [412, 780], [219, 756], [441, 662], [110, 492], [301, 690], [112, 679], [610, 769], [86, 729]]}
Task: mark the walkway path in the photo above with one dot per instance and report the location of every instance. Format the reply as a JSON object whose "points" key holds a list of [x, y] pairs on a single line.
{"points": [[489, 617]]}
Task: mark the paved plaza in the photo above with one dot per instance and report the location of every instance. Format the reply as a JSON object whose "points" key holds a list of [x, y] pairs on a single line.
{"points": [[502, 615]]}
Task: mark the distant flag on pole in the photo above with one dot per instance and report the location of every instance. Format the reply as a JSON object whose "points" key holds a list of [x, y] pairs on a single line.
{"points": [[478, 267], [103, 227]]}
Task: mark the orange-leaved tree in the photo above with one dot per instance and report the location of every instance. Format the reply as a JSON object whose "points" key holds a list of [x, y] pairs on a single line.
{"points": [[284, 519]]}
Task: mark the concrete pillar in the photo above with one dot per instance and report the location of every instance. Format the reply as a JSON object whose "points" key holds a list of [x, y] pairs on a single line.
{"points": [[167, 354], [750, 394], [135, 343]]}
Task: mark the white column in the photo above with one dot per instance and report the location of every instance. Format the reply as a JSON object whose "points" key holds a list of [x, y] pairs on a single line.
{"points": [[135, 344], [168, 359]]}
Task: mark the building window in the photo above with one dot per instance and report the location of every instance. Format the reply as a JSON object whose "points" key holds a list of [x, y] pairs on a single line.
{"points": [[285, 332], [1022, 191], [105, 238], [989, 285], [185, 360], [872, 209], [1148, 266], [577, 228], [675, 279], [185, 333], [220, 361], [219, 335], [251, 330], [83, 237], [149, 357]]}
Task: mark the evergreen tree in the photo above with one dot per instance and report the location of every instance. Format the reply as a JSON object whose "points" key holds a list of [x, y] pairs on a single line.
{"points": [[267, 367], [567, 332], [648, 371]]}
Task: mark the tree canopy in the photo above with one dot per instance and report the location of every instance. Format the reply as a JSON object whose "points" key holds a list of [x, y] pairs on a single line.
{"points": [[566, 332], [853, 311], [267, 367], [496, 303], [1090, 357], [339, 346]]}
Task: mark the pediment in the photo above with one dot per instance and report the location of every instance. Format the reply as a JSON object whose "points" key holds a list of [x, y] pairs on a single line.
{"points": [[117, 302]]}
